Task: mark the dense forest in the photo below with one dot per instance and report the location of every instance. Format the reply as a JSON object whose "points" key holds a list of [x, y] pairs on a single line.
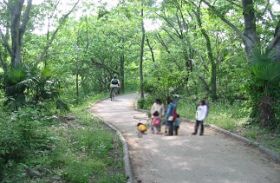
{"points": [[56, 55]]}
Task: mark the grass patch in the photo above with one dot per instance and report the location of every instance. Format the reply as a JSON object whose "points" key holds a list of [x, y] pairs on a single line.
{"points": [[233, 118], [263, 136], [229, 117], [78, 149]]}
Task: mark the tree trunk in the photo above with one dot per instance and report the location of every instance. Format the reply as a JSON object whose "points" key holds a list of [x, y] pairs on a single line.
{"points": [[251, 39], [262, 111], [142, 52], [77, 82], [213, 64], [16, 9], [122, 72]]}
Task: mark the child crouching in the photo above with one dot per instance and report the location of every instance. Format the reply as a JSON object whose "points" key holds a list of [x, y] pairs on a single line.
{"points": [[141, 129]]}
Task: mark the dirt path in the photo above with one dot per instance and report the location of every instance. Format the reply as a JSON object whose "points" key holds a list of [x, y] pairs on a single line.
{"points": [[212, 158]]}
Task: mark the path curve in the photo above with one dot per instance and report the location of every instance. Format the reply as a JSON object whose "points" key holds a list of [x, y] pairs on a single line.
{"points": [[212, 158]]}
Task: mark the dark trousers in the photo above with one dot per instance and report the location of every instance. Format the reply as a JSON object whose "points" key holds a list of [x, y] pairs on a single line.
{"points": [[176, 128], [170, 127], [197, 124]]}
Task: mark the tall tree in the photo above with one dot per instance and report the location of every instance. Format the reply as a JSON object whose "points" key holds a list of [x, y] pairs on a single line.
{"points": [[210, 55], [142, 51], [19, 17], [263, 105]]}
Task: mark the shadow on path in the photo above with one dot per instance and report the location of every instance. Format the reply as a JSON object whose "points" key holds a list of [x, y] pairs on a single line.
{"points": [[212, 158]]}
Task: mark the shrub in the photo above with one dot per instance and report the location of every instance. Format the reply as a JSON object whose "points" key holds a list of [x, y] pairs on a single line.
{"points": [[21, 133]]}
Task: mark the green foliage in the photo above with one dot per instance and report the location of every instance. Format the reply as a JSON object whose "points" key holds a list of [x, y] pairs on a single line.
{"points": [[78, 172], [263, 136], [95, 145], [219, 113], [29, 85], [265, 69], [22, 133], [263, 87], [34, 148]]}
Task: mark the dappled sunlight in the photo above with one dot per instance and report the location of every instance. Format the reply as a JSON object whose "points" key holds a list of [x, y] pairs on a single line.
{"points": [[213, 158]]}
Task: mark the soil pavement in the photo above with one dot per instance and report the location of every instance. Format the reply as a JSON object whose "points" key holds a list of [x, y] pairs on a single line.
{"points": [[212, 158]]}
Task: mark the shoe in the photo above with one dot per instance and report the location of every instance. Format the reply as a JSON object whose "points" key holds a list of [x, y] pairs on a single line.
{"points": [[201, 134], [193, 133]]}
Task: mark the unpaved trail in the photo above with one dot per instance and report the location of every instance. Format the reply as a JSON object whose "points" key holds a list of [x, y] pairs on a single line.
{"points": [[212, 158]]}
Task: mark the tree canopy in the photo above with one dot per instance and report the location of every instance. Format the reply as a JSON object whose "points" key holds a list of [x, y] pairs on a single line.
{"points": [[224, 50]]}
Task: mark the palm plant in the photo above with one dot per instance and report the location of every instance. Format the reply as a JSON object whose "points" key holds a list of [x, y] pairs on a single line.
{"points": [[29, 85], [265, 89]]}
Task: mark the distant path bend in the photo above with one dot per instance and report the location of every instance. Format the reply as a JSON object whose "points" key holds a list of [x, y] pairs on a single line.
{"points": [[212, 158]]}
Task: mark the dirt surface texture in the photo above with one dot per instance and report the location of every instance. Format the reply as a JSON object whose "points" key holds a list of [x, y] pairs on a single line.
{"points": [[212, 158]]}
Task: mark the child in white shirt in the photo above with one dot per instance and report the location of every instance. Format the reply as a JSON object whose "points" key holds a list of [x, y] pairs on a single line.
{"points": [[201, 114]]}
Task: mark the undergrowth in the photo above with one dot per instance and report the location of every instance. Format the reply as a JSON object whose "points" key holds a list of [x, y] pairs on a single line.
{"points": [[36, 146]]}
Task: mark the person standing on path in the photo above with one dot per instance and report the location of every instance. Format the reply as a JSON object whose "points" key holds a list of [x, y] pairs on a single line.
{"points": [[171, 108], [158, 107], [201, 114]]}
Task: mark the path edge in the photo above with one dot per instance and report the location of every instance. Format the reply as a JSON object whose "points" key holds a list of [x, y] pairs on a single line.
{"points": [[126, 158], [268, 152], [127, 164]]}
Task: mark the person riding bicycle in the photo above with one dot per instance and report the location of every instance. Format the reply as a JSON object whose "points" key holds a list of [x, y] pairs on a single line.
{"points": [[114, 85]]}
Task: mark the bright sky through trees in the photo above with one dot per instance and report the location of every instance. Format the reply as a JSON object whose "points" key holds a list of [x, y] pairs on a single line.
{"points": [[65, 5], [150, 24]]}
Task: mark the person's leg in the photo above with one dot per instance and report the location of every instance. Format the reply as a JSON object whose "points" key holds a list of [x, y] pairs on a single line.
{"points": [[170, 124], [111, 91], [114, 92], [165, 123], [196, 127], [176, 130], [201, 128], [158, 129], [152, 128]]}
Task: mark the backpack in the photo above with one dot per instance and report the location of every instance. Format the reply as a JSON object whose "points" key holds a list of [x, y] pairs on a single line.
{"points": [[156, 121], [114, 82]]}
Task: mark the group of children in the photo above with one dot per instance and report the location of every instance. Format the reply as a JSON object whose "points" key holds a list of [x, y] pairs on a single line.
{"points": [[171, 119]]}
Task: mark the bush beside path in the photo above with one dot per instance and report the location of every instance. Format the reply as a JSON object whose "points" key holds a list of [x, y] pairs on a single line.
{"points": [[213, 157]]}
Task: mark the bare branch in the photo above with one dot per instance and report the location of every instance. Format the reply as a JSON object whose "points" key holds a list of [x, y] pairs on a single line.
{"points": [[5, 42], [5, 2], [276, 38], [180, 25], [205, 84], [25, 18], [234, 3], [162, 43], [104, 66], [169, 34], [170, 24], [231, 25], [185, 25], [42, 56], [266, 7], [151, 49], [3, 63]]}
